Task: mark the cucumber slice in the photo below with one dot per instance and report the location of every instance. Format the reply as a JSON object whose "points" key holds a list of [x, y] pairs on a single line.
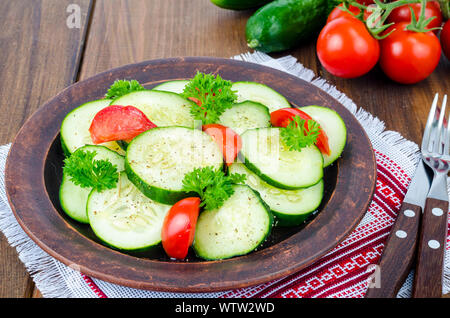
{"points": [[265, 154], [73, 198], [334, 127], [162, 108], [172, 86], [75, 127], [260, 93], [246, 115], [290, 207], [124, 218], [157, 160], [236, 228]]}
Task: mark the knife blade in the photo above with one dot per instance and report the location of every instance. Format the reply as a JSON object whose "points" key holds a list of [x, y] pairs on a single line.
{"points": [[399, 249], [419, 186]]}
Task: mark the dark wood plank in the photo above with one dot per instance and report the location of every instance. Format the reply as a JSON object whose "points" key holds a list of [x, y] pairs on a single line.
{"points": [[40, 57], [124, 32]]}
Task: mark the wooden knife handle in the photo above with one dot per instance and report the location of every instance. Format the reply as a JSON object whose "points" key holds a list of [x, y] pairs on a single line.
{"points": [[430, 257], [398, 253]]}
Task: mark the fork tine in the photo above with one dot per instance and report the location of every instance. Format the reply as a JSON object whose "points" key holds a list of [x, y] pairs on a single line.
{"points": [[438, 142], [447, 130], [428, 126]]}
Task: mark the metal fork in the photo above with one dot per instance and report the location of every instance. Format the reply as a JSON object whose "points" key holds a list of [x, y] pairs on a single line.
{"points": [[433, 233]]}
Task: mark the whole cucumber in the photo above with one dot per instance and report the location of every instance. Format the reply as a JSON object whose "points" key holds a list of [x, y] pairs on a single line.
{"points": [[239, 4], [283, 24]]}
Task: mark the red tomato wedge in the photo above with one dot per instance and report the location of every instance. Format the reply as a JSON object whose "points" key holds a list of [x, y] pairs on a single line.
{"points": [[118, 123], [226, 138], [282, 118], [178, 228]]}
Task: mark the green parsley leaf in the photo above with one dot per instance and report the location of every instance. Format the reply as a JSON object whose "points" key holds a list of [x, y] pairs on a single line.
{"points": [[87, 172], [300, 133], [211, 94], [122, 87], [213, 186]]}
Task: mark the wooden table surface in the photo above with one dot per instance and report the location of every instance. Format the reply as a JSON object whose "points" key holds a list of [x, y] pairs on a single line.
{"points": [[41, 55]]}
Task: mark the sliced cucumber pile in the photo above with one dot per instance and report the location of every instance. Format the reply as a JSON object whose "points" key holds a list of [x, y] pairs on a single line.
{"points": [[75, 127], [236, 228], [158, 160], [334, 127], [260, 93], [162, 108], [290, 207], [282, 187], [264, 153], [172, 86], [73, 198], [124, 218], [246, 115]]}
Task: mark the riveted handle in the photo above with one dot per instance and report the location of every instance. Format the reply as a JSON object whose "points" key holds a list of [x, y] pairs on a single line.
{"points": [[398, 254], [431, 249]]}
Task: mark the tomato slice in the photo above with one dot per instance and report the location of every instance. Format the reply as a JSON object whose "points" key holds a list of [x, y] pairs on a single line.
{"points": [[226, 138], [118, 123], [282, 117], [177, 232]]}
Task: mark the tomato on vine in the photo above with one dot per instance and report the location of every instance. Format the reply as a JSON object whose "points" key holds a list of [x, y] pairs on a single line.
{"points": [[407, 56], [346, 48]]}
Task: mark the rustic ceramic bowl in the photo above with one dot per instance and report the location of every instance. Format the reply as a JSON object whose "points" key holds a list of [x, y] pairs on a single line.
{"points": [[34, 169]]}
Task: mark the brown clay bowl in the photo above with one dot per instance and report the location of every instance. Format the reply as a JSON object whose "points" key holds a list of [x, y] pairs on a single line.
{"points": [[34, 169]]}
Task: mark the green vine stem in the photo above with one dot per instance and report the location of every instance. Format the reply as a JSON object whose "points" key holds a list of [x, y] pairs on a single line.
{"points": [[381, 11], [445, 8], [421, 24]]}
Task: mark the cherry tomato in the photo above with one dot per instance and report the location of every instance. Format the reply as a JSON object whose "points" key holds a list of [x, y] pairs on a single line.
{"points": [[118, 123], [445, 39], [338, 13], [346, 48], [403, 14], [282, 118], [177, 232], [409, 57], [226, 138]]}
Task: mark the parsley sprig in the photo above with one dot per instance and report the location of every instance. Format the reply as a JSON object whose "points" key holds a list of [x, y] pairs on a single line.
{"points": [[122, 87], [87, 172], [213, 186], [300, 133], [212, 96]]}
